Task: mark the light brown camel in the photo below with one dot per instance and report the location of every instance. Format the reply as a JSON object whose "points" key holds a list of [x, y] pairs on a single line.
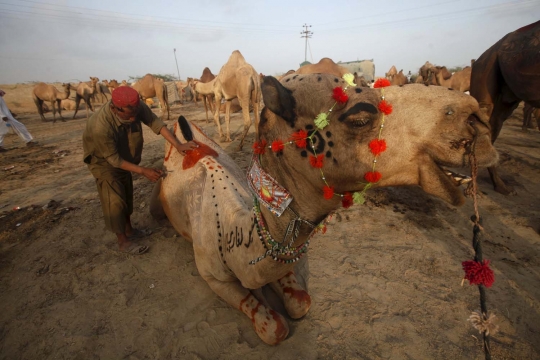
{"points": [[325, 66], [206, 77], [528, 113], [460, 80], [101, 92], [124, 83], [68, 104], [237, 79], [427, 71], [206, 90], [209, 200], [395, 77], [43, 92], [503, 76], [149, 87], [85, 91]]}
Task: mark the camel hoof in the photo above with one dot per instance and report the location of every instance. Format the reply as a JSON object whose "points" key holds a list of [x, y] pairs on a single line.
{"points": [[271, 327], [505, 190], [297, 303]]}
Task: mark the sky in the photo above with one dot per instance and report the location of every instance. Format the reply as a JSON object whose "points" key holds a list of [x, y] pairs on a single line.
{"points": [[61, 41]]}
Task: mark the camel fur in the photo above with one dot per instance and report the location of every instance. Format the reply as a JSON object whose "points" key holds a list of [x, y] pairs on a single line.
{"points": [[149, 87], [237, 79], [43, 92], [503, 76], [85, 91], [206, 196]]}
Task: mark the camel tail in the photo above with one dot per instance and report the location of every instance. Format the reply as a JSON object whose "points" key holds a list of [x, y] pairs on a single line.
{"points": [[185, 128]]}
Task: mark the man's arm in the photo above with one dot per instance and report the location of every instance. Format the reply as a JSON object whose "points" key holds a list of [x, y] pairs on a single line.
{"points": [[151, 174], [173, 140]]}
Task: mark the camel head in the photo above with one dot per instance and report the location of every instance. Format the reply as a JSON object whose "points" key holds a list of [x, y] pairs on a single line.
{"points": [[428, 128]]}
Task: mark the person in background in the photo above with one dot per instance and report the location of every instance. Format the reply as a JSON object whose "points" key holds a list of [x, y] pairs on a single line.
{"points": [[9, 120], [113, 144]]}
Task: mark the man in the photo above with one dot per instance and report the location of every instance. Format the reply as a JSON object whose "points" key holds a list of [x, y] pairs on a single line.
{"points": [[9, 120], [113, 143]]}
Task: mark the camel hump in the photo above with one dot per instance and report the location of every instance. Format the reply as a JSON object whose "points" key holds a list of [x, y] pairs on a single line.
{"points": [[185, 128], [327, 61]]}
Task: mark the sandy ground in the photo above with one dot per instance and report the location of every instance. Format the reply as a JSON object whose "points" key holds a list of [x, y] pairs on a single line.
{"points": [[385, 279]]}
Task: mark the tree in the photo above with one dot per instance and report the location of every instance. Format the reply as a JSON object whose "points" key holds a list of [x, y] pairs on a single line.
{"points": [[164, 77]]}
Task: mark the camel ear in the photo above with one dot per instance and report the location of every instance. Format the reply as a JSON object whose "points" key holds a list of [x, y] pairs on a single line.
{"points": [[278, 99]]}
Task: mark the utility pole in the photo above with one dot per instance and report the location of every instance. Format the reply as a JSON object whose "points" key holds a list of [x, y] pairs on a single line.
{"points": [[306, 34], [176, 65]]}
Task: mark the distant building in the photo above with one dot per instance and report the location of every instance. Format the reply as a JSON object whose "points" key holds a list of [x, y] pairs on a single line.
{"points": [[365, 68]]}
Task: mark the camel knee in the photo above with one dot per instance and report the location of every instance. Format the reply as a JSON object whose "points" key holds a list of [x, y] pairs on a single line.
{"points": [[296, 300]]}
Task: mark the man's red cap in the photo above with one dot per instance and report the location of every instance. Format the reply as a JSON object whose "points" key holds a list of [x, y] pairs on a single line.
{"points": [[124, 96]]}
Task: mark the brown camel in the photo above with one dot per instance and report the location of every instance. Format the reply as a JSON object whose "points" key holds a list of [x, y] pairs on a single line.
{"points": [[460, 80], [209, 200], [427, 71], [395, 77], [325, 66], [85, 91], [43, 92], [237, 79], [503, 76], [206, 91], [149, 87], [528, 112]]}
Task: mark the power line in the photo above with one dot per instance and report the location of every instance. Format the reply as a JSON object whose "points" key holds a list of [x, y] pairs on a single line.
{"points": [[306, 34]]}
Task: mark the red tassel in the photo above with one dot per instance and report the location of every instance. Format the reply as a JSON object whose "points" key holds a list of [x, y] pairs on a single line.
{"points": [[300, 138], [373, 176], [377, 146], [316, 162], [478, 273], [328, 192], [277, 146], [347, 200], [381, 83], [385, 107], [259, 147], [339, 95]]}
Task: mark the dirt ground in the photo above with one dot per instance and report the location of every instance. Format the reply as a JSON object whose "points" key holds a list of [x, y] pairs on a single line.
{"points": [[385, 279]]}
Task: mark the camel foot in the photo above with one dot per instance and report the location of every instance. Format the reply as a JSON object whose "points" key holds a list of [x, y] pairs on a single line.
{"points": [[505, 189], [271, 326], [296, 300]]}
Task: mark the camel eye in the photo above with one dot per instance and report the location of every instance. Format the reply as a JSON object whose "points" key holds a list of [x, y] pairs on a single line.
{"points": [[449, 112]]}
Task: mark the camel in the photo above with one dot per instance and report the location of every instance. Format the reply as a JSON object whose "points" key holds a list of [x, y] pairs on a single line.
{"points": [[124, 83], [67, 104], [237, 79], [460, 80], [395, 77], [206, 77], [503, 76], [427, 73], [210, 202], [528, 112], [101, 91], [325, 66], [149, 87], [85, 91], [43, 92], [206, 90]]}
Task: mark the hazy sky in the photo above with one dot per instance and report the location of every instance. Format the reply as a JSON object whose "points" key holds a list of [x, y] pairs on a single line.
{"points": [[55, 40]]}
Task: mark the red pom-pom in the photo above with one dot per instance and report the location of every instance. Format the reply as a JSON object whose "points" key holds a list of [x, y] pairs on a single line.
{"points": [[316, 161], [478, 273], [347, 200], [300, 138], [382, 82], [323, 229], [277, 146], [385, 107], [259, 147], [373, 176], [377, 146], [339, 95], [328, 192]]}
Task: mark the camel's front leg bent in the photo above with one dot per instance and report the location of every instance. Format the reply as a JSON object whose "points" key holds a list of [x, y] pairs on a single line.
{"points": [[271, 327], [296, 300]]}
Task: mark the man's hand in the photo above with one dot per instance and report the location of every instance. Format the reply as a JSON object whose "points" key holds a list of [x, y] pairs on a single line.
{"points": [[5, 118], [190, 145], [151, 174]]}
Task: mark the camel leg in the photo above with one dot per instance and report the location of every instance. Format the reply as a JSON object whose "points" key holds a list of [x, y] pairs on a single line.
{"points": [[296, 300], [501, 111], [205, 107], [256, 103], [53, 106], [216, 117], [39, 105], [59, 103], [228, 119], [271, 326], [527, 117], [247, 122], [77, 102]]}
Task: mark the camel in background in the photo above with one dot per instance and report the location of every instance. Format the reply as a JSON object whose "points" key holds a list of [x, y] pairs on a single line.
{"points": [[503, 76], [427, 75], [43, 92], [124, 83], [460, 80], [237, 79], [84, 91], [206, 90], [528, 112], [395, 77], [325, 66], [149, 87]]}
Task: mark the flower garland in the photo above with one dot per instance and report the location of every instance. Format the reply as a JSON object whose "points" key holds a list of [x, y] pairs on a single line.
{"points": [[301, 137]]}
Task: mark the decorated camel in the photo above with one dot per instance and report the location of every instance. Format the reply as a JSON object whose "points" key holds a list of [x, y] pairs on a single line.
{"points": [[149, 87], [237, 79], [460, 80], [503, 76], [395, 77], [323, 143], [43, 92], [85, 91]]}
